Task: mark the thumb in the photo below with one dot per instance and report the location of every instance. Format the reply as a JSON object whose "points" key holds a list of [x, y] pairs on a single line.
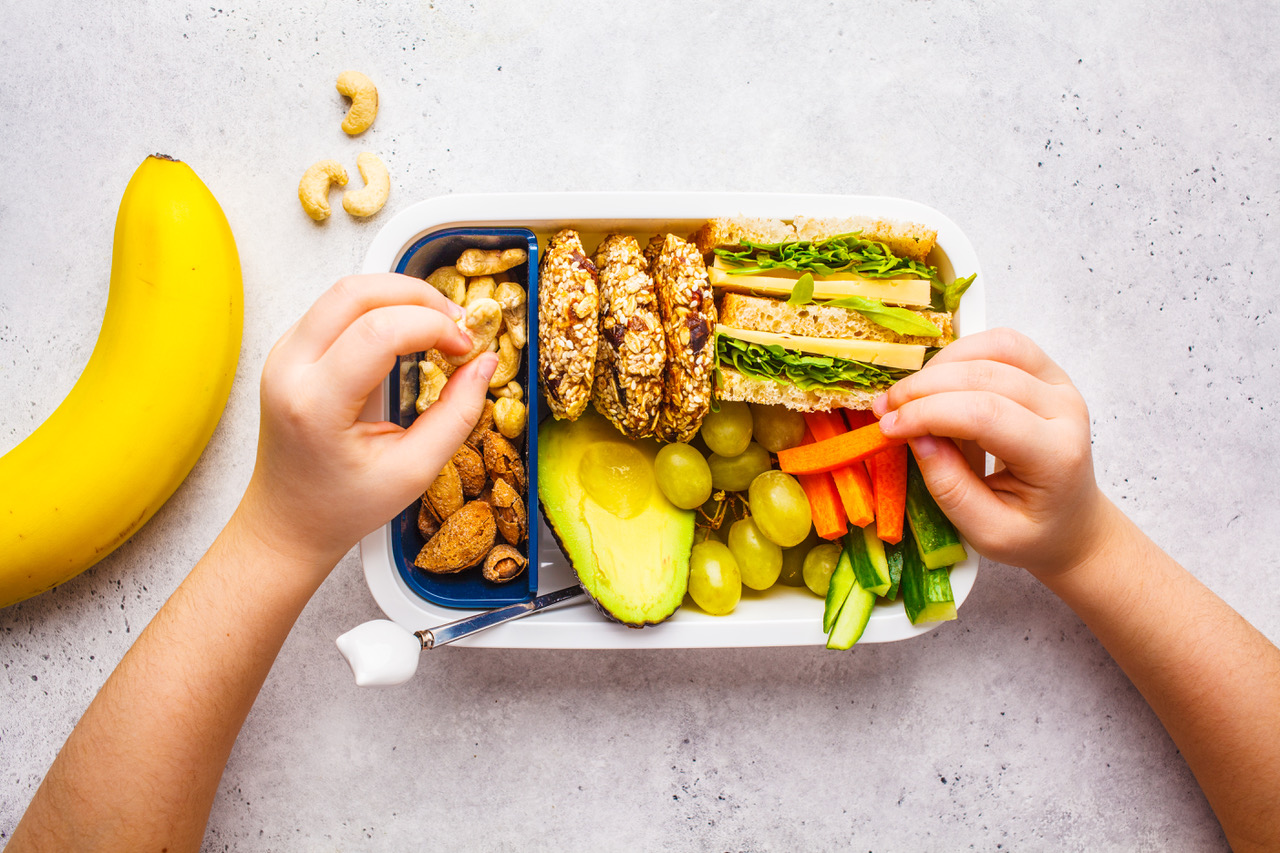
{"points": [[961, 494], [439, 431]]}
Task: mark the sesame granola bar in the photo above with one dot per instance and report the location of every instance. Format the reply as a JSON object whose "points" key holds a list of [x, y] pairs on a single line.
{"points": [[568, 334], [632, 350], [689, 318]]}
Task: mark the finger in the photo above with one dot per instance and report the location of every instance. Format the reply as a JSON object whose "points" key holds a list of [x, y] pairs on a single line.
{"points": [[984, 375], [354, 296], [961, 494], [438, 432], [1006, 346], [995, 423], [366, 351]]}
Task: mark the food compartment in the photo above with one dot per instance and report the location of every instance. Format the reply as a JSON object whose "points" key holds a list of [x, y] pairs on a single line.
{"points": [[468, 589]]}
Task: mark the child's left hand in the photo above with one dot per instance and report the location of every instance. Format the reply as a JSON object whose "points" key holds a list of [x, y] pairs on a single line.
{"points": [[323, 477]]}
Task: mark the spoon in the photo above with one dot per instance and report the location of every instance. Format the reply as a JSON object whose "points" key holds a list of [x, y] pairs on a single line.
{"points": [[382, 654]]}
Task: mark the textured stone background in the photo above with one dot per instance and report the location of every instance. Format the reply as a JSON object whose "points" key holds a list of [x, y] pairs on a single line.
{"points": [[1117, 170]]}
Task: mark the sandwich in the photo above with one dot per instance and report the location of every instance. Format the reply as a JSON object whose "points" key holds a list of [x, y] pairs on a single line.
{"points": [[817, 314]]}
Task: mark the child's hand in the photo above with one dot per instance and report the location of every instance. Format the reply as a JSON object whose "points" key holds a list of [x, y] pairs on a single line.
{"points": [[1044, 511], [324, 478]]}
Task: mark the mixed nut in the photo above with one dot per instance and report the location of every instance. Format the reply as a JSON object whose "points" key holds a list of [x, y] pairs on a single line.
{"points": [[474, 514]]}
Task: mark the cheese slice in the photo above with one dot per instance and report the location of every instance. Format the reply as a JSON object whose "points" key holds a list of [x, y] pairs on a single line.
{"points": [[880, 353], [912, 292]]}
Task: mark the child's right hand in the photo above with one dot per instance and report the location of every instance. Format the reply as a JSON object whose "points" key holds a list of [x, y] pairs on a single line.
{"points": [[1044, 510]]}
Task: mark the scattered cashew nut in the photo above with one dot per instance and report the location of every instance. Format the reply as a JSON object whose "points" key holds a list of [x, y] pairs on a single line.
{"points": [[514, 309], [431, 380], [377, 186], [364, 101], [313, 189], [481, 325], [508, 362], [480, 287], [512, 389], [510, 416], [450, 282], [490, 261]]}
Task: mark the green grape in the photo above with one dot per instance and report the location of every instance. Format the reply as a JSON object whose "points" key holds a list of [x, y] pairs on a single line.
{"points": [[714, 580], [759, 560], [617, 476], [728, 431], [735, 473], [683, 475], [793, 560], [819, 564], [780, 508], [777, 427]]}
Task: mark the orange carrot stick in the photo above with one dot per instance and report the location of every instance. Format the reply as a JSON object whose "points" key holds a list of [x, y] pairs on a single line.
{"points": [[852, 481], [858, 418], [844, 449], [888, 470], [829, 520]]}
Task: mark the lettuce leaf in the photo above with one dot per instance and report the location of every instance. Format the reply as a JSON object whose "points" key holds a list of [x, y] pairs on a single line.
{"points": [[805, 371]]}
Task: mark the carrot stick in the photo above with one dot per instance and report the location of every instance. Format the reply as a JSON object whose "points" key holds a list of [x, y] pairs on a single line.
{"points": [[844, 449], [859, 418], [852, 481], [888, 470], [829, 520]]}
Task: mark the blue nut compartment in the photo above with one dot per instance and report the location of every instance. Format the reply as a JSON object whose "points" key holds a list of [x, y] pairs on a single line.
{"points": [[468, 589]]}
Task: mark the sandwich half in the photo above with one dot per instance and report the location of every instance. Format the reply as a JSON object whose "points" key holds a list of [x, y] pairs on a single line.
{"points": [[827, 320]]}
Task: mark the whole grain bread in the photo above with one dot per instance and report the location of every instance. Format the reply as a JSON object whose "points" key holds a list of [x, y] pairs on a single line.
{"points": [[732, 385], [905, 239], [741, 311]]}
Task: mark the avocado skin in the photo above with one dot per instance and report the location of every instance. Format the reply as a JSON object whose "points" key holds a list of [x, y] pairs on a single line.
{"points": [[661, 534]]}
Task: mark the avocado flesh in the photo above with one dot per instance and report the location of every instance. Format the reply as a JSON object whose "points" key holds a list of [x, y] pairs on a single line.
{"points": [[635, 569]]}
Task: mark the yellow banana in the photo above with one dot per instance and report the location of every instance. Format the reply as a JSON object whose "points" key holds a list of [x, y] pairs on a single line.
{"points": [[148, 400]]}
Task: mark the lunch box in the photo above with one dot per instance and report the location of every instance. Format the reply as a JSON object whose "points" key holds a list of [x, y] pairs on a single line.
{"points": [[432, 233]]}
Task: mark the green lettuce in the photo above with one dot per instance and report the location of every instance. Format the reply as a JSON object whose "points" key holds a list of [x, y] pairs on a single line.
{"points": [[803, 370]]}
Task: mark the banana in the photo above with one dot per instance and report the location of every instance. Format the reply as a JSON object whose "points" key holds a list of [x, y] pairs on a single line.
{"points": [[148, 400]]}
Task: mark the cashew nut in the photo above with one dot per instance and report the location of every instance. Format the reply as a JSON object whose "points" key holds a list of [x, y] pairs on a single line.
{"points": [[508, 363], [431, 380], [480, 287], [512, 389], [364, 101], [377, 186], [450, 282], [510, 417], [313, 189], [514, 309], [481, 325], [490, 261]]}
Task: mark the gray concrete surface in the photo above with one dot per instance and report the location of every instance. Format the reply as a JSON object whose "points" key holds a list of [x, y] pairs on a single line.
{"points": [[1117, 170]]}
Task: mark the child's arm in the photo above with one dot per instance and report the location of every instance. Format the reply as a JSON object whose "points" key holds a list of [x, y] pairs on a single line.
{"points": [[141, 768], [1212, 678]]}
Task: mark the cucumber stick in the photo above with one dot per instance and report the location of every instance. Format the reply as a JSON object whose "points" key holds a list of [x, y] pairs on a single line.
{"points": [[853, 618], [837, 591], [936, 538], [926, 593], [893, 555], [866, 552]]}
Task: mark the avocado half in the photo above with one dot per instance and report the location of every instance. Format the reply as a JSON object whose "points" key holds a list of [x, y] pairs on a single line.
{"points": [[635, 569]]}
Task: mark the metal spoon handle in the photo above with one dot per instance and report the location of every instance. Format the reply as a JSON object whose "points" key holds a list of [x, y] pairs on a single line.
{"points": [[447, 633]]}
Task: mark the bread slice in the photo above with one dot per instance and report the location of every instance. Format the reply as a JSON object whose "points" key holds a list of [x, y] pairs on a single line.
{"points": [[731, 232], [820, 321], [732, 385], [905, 239]]}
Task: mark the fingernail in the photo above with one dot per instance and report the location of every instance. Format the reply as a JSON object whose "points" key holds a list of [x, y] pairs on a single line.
{"points": [[489, 365], [880, 404], [455, 311], [924, 446], [888, 420]]}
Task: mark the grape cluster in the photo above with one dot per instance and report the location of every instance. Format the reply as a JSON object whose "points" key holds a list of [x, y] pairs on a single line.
{"points": [[770, 538]]}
